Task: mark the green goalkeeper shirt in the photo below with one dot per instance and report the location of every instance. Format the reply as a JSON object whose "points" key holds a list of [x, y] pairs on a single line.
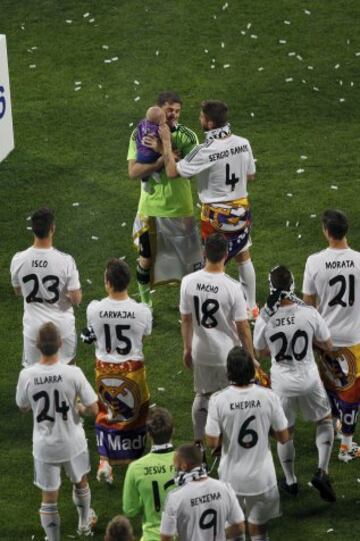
{"points": [[167, 198], [147, 482]]}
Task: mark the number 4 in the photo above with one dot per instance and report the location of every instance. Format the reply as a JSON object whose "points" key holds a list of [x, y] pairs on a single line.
{"points": [[231, 180]]}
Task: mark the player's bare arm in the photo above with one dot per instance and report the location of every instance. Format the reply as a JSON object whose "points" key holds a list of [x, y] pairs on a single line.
{"points": [[75, 297], [235, 530], [138, 170], [213, 441], [88, 411], [166, 537], [250, 177], [244, 332], [187, 333], [282, 436], [310, 300], [169, 159], [17, 291], [261, 353], [326, 346]]}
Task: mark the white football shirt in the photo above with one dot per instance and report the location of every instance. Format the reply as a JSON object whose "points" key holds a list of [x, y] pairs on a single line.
{"points": [[52, 391], [45, 276], [289, 335], [215, 302], [119, 328], [221, 167], [200, 511], [334, 277], [244, 416]]}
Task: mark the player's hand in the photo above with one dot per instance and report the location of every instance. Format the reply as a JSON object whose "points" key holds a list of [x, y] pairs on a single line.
{"points": [[152, 142], [177, 155], [164, 133], [87, 335], [187, 359]]}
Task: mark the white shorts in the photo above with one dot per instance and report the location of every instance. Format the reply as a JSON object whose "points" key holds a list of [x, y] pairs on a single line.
{"points": [[67, 352], [261, 508], [208, 378], [314, 405], [48, 476]]}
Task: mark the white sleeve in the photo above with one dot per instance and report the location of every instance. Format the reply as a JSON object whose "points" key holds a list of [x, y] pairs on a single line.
{"points": [[235, 514], [15, 282], [278, 419], [322, 331], [90, 313], [308, 287], [259, 334], [85, 391], [148, 321], [212, 427], [73, 281], [168, 518], [239, 310], [251, 165], [195, 162], [185, 301], [22, 399]]}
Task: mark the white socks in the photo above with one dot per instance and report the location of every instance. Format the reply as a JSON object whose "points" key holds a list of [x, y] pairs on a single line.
{"points": [[247, 279], [324, 443], [286, 453], [50, 521], [199, 415], [82, 499]]}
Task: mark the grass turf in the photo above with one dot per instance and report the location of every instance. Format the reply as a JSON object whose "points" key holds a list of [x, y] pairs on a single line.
{"points": [[71, 147]]}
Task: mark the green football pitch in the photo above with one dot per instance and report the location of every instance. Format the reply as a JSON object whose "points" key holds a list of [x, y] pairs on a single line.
{"points": [[82, 73]]}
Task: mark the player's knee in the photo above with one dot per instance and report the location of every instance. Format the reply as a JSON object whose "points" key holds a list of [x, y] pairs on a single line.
{"points": [[199, 415], [242, 257], [145, 262]]}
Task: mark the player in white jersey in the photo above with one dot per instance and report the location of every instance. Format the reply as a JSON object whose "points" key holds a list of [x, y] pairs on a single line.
{"points": [[202, 507], [286, 329], [52, 390], [332, 283], [240, 419], [118, 325], [214, 319], [223, 165], [49, 282]]}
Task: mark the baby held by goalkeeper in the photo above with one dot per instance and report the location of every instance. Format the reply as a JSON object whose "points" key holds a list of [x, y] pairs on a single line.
{"points": [[148, 126]]}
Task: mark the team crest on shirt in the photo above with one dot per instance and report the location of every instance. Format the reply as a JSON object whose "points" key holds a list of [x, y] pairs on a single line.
{"points": [[338, 369], [121, 398]]}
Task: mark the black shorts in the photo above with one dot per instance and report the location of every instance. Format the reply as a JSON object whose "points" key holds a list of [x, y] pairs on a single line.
{"points": [[144, 245]]}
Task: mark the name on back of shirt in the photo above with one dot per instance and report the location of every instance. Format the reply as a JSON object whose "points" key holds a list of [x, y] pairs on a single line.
{"points": [[207, 498], [160, 468], [245, 404], [113, 314], [228, 152], [41, 380], [290, 320], [207, 287], [39, 263], [347, 264]]}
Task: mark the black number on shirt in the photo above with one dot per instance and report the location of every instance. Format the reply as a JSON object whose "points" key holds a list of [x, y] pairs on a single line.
{"points": [[52, 288], [231, 180], [208, 309], [208, 520], [120, 336], [156, 492], [248, 433], [338, 299], [281, 355], [62, 407]]}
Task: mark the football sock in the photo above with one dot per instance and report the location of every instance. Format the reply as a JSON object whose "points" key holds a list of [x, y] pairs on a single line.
{"points": [[324, 443], [248, 281], [199, 415], [286, 454], [82, 500], [143, 280], [346, 440], [50, 521], [241, 537], [260, 537]]}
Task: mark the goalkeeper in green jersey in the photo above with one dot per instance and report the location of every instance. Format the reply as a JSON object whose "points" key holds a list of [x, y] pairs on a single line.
{"points": [[164, 231], [149, 479]]}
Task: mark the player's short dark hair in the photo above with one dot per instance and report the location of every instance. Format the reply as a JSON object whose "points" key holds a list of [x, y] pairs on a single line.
{"points": [[191, 454], [160, 425], [240, 366], [168, 96], [48, 339], [335, 223], [117, 273], [215, 247], [216, 111], [119, 529], [41, 222], [281, 278]]}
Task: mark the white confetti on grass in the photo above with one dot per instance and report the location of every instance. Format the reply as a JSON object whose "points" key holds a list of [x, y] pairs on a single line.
{"points": [[341, 100], [105, 46], [225, 66], [131, 124], [243, 32], [252, 114], [300, 171], [77, 88], [88, 281], [313, 215], [206, 51], [151, 405], [334, 187], [136, 82], [137, 98], [289, 194], [357, 54], [261, 68], [310, 67], [212, 66], [76, 204], [303, 157], [225, 6], [299, 57], [299, 236], [115, 58], [29, 228], [93, 237], [292, 53], [287, 223], [76, 83], [32, 66], [68, 21], [157, 52], [91, 20], [330, 530], [253, 36], [289, 79], [307, 12], [287, 22], [107, 61], [282, 41], [316, 89], [222, 45], [161, 389], [86, 15], [337, 66], [248, 26], [123, 224]]}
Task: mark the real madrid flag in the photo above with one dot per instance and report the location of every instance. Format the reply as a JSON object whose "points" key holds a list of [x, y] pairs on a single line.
{"points": [[6, 125]]}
